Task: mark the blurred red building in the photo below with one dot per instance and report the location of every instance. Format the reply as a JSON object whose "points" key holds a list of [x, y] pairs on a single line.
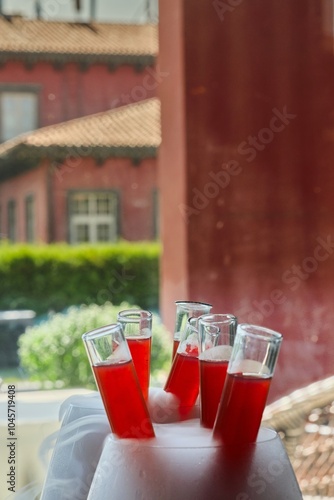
{"points": [[85, 179]]}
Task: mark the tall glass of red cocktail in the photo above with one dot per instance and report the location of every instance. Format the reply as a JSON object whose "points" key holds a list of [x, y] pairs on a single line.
{"points": [[137, 328], [184, 311], [249, 374], [217, 333], [118, 383], [183, 378]]}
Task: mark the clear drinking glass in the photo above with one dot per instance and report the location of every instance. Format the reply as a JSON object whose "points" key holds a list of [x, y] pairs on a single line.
{"points": [[183, 378], [116, 378], [249, 374], [185, 310], [137, 329], [217, 333]]}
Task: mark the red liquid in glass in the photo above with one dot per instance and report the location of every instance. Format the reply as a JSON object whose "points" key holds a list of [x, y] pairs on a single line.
{"points": [[241, 408], [183, 382], [140, 349], [176, 343], [212, 379], [123, 400]]}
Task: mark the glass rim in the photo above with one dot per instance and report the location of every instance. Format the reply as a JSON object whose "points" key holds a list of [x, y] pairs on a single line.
{"points": [[224, 318], [192, 323], [259, 332], [101, 331], [187, 302], [133, 315]]}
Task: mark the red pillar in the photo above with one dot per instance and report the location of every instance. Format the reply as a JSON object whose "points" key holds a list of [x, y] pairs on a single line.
{"points": [[245, 170], [173, 175]]}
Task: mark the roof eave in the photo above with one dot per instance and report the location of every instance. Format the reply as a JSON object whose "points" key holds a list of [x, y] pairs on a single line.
{"points": [[25, 157], [112, 60]]}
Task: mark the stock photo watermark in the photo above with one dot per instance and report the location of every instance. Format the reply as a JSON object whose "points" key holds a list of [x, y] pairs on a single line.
{"points": [[255, 143], [72, 161], [292, 278], [49, 9], [151, 80], [264, 476], [223, 8], [249, 148]]}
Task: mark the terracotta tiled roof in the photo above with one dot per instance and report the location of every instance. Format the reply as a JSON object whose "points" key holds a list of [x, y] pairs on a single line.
{"points": [[305, 420], [34, 40], [128, 131]]}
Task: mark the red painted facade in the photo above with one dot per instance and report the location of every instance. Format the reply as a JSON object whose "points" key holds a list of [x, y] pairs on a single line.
{"points": [[65, 92], [19, 188], [71, 92], [135, 186]]}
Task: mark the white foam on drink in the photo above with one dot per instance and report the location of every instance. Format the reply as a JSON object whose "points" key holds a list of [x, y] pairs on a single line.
{"points": [[121, 353], [145, 332], [217, 353], [190, 345], [249, 367], [177, 335]]}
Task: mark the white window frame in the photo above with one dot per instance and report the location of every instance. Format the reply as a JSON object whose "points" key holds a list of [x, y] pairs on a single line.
{"points": [[91, 218], [21, 127]]}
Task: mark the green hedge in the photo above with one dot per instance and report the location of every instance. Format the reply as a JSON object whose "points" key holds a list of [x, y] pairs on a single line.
{"points": [[53, 277]]}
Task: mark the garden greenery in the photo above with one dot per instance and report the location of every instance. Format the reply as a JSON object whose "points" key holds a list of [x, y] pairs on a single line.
{"points": [[53, 351], [53, 277]]}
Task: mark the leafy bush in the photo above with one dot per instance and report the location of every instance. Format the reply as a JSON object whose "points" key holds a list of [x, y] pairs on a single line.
{"points": [[54, 350], [52, 277]]}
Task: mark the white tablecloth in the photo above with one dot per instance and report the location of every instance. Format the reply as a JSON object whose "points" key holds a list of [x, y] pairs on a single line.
{"points": [[78, 448]]}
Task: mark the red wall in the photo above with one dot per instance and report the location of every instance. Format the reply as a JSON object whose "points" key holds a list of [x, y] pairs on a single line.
{"points": [[134, 183], [69, 92], [34, 183], [252, 217]]}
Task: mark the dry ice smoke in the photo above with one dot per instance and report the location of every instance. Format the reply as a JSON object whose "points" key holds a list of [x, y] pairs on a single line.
{"points": [[83, 432], [164, 407]]}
